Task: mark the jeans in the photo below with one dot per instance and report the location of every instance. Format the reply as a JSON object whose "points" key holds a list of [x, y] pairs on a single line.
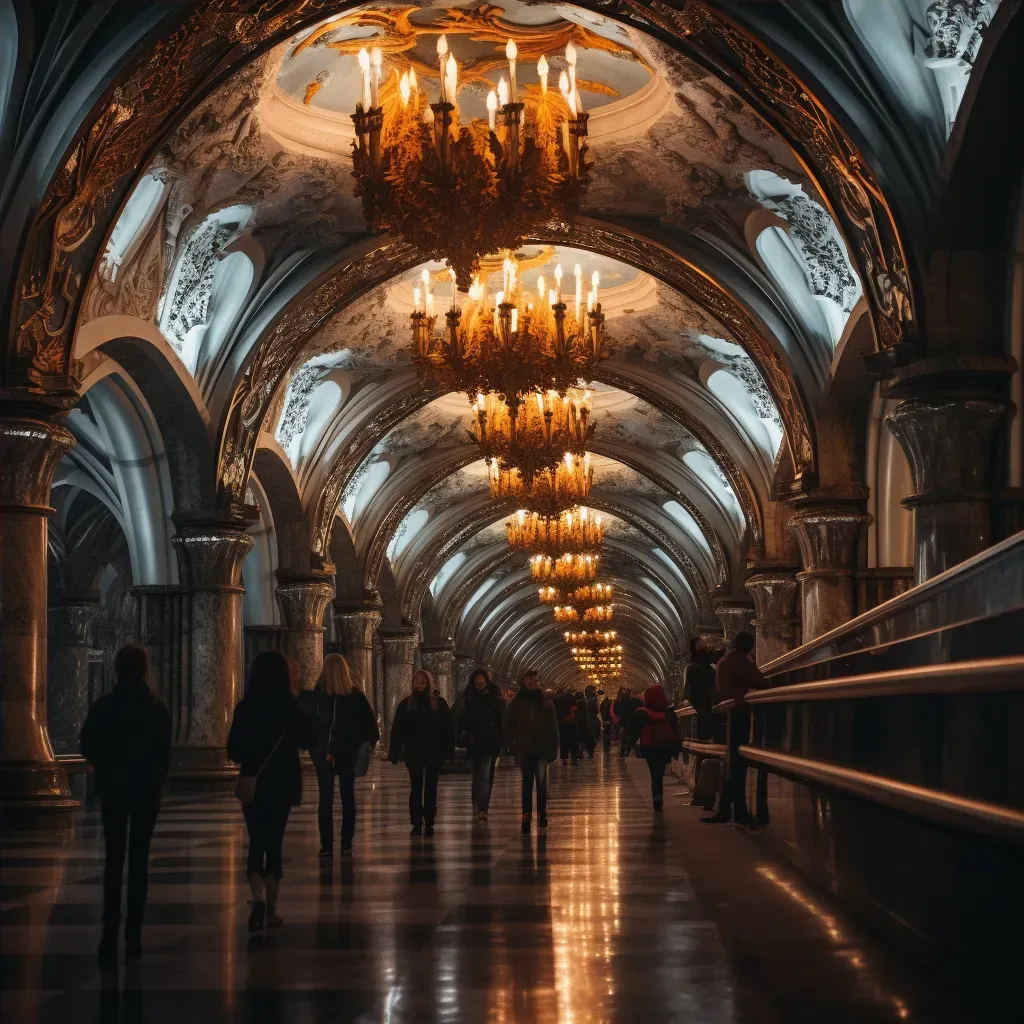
{"points": [[423, 795], [483, 780], [535, 768], [119, 835], [657, 764], [325, 776], [266, 824]]}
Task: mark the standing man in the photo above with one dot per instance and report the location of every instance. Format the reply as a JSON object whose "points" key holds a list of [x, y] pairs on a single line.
{"points": [[699, 690], [606, 722], [531, 733], [480, 720], [127, 739], [735, 675]]}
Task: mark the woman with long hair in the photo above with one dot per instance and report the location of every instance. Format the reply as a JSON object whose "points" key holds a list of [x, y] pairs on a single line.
{"points": [[269, 728], [422, 737], [346, 723], [480, 720]]}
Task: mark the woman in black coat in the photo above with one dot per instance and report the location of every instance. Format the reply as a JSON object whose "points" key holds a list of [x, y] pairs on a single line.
{"points": [[422, 737], [480, 729], [346, 722], [269, 728]]}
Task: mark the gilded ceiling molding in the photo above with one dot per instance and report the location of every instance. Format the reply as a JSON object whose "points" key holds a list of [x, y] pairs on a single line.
{"points": [[855, 197]]}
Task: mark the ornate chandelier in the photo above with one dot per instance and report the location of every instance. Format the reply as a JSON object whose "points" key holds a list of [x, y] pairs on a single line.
{"points": [[573, 532], [598, 613], [590, 640], [507, 344], [591, 594], [533, 433], [565, 613], [551, 491], [549, 595], [459, 191], [566, 569]]}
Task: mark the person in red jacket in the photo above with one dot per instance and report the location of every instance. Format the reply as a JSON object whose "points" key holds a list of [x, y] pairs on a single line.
{"points": [[735, 675], [653, 727]]}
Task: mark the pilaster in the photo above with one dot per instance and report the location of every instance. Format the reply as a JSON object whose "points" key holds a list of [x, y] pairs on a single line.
{"points": [[68, 694]]}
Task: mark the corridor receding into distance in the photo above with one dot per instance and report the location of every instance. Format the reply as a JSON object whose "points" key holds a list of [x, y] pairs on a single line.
{"points": [[511, 512]]}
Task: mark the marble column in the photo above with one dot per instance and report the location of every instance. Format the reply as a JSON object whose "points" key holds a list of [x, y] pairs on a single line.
{"points": [[399, 657], [736, 615], [68, 694], [777, 626], [829, 540], [303, 600], [210, 556], [356, 626], [33, 787], [464, 665], [440, 663], [949, 444]]}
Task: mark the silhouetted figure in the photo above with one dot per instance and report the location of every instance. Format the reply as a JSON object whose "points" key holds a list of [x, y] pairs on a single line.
{"points": [[480, 717], [605, 711], [531, 733], [591, 718], [653, 727], [268, 729], [735, 675], [127, 739], [699, 690], [627, 705], [422, 736], [568, 727], [345, 723]]}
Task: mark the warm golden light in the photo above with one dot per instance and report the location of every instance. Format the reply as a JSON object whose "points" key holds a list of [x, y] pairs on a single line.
{"points": [[575, 531], [566, 569]]}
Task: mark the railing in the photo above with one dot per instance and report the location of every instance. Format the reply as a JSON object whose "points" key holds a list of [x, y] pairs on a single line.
{"points": [[686, 716]]}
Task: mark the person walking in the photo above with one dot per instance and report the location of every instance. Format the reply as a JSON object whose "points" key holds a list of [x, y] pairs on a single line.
{"points": [[605, 711], [422, 736], [735, 675], [699, 690], [568, 727], [593, 719], [268, 729], [126, 737], [346, 723], [480, 717], [628, 703], [653, 727], [530, 728]]}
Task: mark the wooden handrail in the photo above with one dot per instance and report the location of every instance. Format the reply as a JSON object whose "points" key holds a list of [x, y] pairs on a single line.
{"points": [[993, 821], [724, 706], [714, 749], [990, 675]]}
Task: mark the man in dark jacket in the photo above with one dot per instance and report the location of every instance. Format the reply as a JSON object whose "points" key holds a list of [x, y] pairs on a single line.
{"points": [[735, 675], [592, 719], [531, 733], [699, 686], [480, 719], [605, 711], [568, 726], [628, 703], [127, 739]]}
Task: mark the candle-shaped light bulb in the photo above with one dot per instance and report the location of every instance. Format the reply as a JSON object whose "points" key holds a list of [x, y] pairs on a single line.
{"points": [[377, 63], [413, 83], [404, 89], [511, 52], [442, 60], [542, 72], [364, 66], [502, 92], [451, 80], [540, 287], [552, 296], [416, 297], [515, 319], [425, 278], [558, 282], [492, 107]]}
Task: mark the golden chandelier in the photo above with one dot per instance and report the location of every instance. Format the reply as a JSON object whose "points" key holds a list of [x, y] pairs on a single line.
{"points": [[532, 433], [577, 531], [458, 191], [512, 344], [591, 594], [566, 569], [591, 640], [551, 491]]}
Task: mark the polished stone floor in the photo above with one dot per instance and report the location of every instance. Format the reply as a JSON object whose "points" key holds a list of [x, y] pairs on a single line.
{"points": [[612, 916]]}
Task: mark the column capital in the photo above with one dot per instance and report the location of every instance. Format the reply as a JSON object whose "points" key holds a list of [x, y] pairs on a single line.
{"points": [[399, 645], [828, 536], [211, 552], [73, 620], [735, 613], [303, 599], [30, 450], [774, 592], [357, 624]]}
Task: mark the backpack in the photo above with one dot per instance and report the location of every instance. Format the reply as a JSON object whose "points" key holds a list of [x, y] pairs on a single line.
{"points": [[658, 733]]}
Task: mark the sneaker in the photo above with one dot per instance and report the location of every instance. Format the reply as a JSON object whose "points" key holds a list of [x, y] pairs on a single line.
{"points": [[257, 916], [542, 821], [416, 830], [428, 830]]}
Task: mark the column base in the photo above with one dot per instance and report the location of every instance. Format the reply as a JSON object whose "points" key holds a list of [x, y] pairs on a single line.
{"points": [[201, 768], [36, 796]]}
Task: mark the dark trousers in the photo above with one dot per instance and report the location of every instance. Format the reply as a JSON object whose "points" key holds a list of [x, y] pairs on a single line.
{"points": [[127, 824], [625, 740], [606, 735], [483, 780], [657, 764], [569, 741], [535, 769], [423, 795], [325, 776], [266, 824], [734, 793]]}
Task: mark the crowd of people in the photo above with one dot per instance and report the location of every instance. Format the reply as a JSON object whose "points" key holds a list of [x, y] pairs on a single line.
{"points": [[127, 737]]}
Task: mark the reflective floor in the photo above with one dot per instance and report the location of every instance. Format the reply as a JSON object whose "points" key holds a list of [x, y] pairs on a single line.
{"points": [[610, 916]]}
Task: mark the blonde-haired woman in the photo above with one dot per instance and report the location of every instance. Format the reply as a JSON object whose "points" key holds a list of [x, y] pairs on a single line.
{"points": [[346, 723], [422, 737]]}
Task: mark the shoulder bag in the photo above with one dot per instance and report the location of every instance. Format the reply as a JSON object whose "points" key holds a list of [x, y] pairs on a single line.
{"points": [[245, 787]]}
